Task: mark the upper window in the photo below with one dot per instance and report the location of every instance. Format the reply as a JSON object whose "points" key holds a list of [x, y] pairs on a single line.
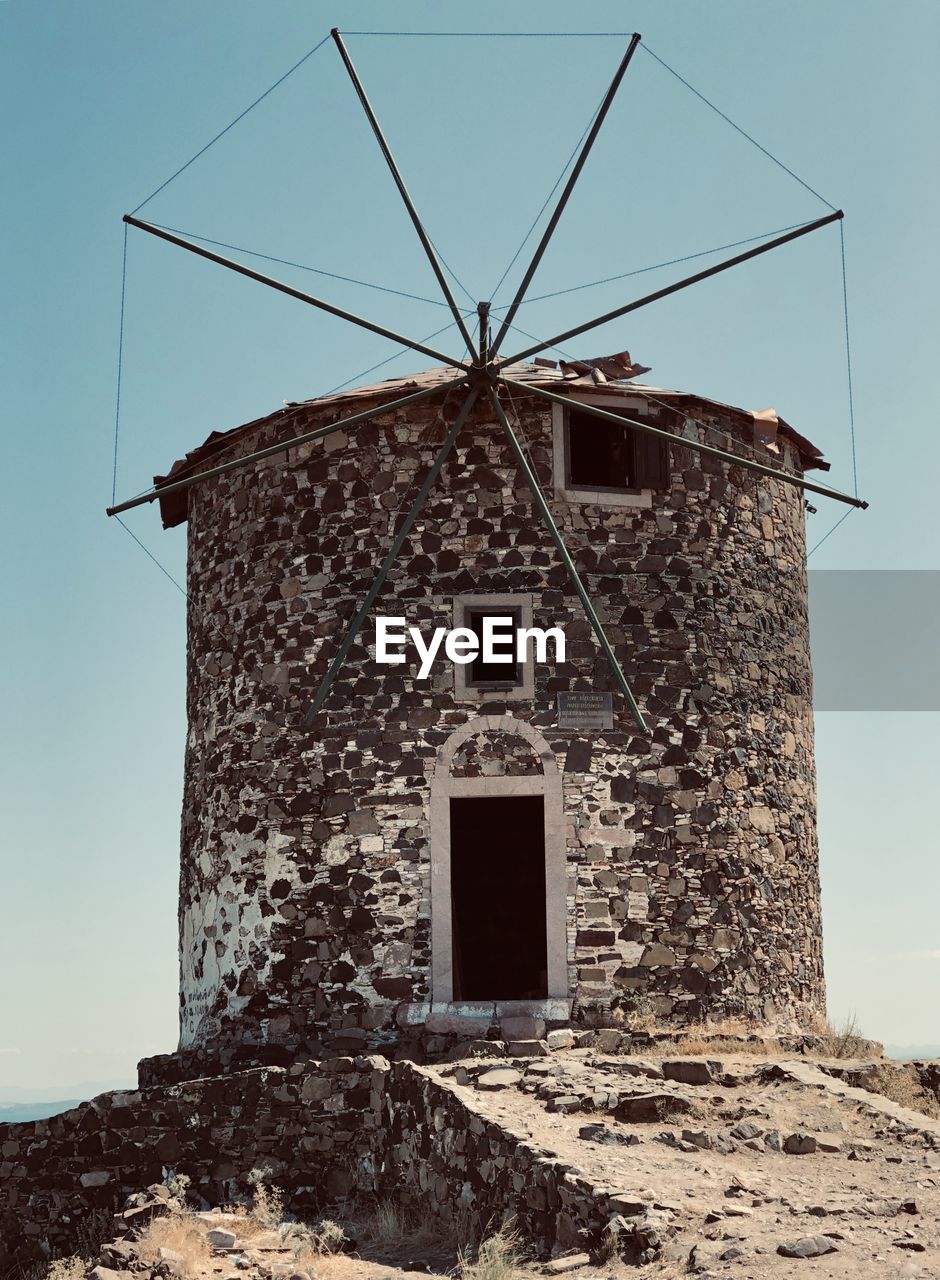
{"points": [[599, 461]]}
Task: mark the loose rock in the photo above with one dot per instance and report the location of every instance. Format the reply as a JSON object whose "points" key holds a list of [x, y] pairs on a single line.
{"points": [[689, 1071], [806, 1247], [799, 1144], [221, 1238], [558, 1266], [499, 1078], [648, 1108]]}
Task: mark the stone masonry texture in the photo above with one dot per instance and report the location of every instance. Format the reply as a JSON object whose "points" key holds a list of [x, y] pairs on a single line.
{"points": [[691, 859], [309, 1127], [319, 1131]]}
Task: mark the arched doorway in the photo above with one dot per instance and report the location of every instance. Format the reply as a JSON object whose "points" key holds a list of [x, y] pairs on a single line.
{"points": [[498, 875]]}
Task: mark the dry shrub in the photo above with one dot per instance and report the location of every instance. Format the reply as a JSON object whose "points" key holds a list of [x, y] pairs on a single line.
{"points": [[184, 1235], [244, 1223], [389, 1224], [633, 1021], [24, 1264], [843, 1039], [319, 1250], [900, 1085], [630, 1011], [67, 1268], [725, 1027], [498, 1257], [325, 1238], [268, 1201]]}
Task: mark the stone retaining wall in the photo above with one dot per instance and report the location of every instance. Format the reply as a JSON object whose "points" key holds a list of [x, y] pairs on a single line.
{"points": [[319, 1130], [314, 1127], [466, 1170]]}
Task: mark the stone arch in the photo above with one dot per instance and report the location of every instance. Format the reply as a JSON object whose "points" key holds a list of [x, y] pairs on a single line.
{"points": [[535, 773]]}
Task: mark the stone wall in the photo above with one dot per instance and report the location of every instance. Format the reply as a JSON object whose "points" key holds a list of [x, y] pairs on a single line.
{"points": [[313, 1126], [320, 1131], [469, 1172], [692, 883]]}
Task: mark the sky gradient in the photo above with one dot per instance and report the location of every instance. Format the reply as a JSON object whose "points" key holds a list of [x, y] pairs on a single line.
{"points": [[105, 100]]}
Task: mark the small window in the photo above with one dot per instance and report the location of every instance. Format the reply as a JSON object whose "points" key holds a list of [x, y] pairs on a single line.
{"points": [[494, 675], [603, 456], [598, 462], [478, 680]]}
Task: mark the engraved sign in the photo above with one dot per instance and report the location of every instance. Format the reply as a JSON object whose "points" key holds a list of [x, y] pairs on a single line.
{"points": [[579, 710]]}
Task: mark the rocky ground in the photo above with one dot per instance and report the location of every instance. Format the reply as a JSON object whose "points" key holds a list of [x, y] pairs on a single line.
{"points": [[747, 1167]]}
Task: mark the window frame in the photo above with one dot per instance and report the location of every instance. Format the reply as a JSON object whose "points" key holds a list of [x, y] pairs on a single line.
{"points": [[595, 495], [519, 603]]}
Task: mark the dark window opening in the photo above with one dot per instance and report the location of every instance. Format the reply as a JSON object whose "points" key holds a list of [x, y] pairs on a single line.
{"points": [[495, 675], [497, 876], [602, 455]]}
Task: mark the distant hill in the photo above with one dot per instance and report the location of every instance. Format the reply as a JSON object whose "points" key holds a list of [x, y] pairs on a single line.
{"points": [[912, 1050], [18, 1103], [15, 1112]]}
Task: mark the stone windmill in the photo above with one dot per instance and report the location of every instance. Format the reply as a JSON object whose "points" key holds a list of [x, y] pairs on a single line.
{"points": [[368, 857]]}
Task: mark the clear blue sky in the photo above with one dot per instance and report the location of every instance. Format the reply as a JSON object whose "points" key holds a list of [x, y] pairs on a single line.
{"points": [[104, 100]]}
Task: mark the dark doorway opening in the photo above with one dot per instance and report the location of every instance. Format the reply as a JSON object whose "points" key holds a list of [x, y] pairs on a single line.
{"points": [[497, 877]]}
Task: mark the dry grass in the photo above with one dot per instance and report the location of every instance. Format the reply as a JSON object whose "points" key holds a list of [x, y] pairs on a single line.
{"points": [[184, 1235], [334, 1266], [498, 1257], [608, 1249], [390, 1226], [318, 1250], [244, 1223], [900, 1085], [383, 1230], [266, 1212], [67, 1269], [722, 1035], [699, 1045]]}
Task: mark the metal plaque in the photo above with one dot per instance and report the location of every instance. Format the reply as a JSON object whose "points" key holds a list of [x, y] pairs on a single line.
{"points": [[579, 710]]}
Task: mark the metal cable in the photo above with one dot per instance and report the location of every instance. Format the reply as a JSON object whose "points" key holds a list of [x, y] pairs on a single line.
{"points": [[688, 257], [453, 275], [535, 220], [520, 430], [505, 35], [287, 262], [166, 573], [535, 338], [231, 124], [848, 370], [744, 134], [831, 531], [388, 359]]}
